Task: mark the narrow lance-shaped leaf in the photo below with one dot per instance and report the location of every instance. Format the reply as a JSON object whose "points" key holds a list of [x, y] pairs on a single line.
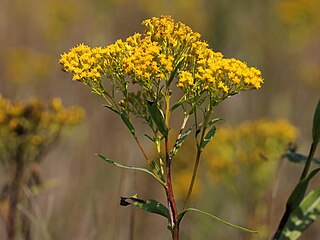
{"points": [[111, 108], [214, 121], [179, 103], [208, 137], [179, 142], [150, 138], [316, 124], [158, 118], [298, 158], [127, 122], [298, 193], [181, 215], [130, 167], [301, 218], [156, 168], [149, 205]]}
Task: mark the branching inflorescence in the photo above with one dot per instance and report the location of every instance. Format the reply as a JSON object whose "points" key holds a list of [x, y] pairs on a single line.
{"points": [[167, 52], [138, 77]]}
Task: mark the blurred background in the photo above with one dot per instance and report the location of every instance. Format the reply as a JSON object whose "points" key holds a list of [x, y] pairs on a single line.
{"points": [[280, 37]]}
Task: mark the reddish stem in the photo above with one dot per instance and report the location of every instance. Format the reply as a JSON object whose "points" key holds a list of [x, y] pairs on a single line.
{"points": [[14, 197], [170, 196]]}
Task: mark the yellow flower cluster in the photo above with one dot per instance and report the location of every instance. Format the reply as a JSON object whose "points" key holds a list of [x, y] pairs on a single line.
{"points": [[249, 149], [218, 75], [141, 61], [32, 125], [83, 61], [167, 50], [169, 34], [251, 145]]}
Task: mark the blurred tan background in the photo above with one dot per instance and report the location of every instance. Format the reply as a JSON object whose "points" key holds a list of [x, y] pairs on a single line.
{"points": [[280, 37]]}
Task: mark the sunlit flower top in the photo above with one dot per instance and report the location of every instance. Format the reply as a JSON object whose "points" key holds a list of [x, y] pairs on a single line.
{"points": [[166, 53]]}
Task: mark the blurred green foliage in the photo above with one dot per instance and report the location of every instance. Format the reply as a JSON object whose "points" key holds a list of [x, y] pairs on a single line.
{"points": [[27, 131]]}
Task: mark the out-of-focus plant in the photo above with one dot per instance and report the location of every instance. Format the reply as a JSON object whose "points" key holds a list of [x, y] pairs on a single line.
{"points": [[27, 131], [249, 149], [242, 159], [167, 73], [302, 211]]}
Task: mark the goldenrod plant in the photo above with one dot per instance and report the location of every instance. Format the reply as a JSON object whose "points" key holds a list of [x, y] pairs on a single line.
{"points": [[241, 161], [250, 148], [28, 130], [167, 72]]}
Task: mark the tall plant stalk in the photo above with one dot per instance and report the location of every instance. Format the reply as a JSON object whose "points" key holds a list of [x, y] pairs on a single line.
{"points": [[15, 193], [169, 56]]}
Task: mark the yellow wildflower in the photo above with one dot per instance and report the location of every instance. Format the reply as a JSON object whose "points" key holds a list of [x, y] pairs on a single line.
{"points": [[167, 51]]}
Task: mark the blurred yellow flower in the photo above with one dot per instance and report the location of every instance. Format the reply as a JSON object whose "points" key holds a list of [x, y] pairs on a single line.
{"points": [[31, 125], [252, 144], [249, 150]]}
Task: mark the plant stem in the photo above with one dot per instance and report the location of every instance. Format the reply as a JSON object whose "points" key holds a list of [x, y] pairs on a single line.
{"points": [[14, 195], [304, 174], [170, 196], [142, 150], [175, 233], [282, 223], [169, 191], [196, 164], [312, 151], [193, 179]]}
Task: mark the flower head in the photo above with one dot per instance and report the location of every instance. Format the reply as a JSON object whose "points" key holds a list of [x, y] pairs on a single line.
{"points": [[167, 52]]}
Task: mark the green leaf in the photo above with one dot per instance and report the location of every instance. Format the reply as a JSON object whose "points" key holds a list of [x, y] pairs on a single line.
{"points": [[157, 117], [179, 103], [111, 108], [197, 105], [298, 193], [208, 137], [214, 121], [179, 142], [127, 122], [125, 166], [149, 205], [298, 158], [181, 215], [316, 124], [150, 138], [155, 166], [294, 201], [303, 216], [174, 72]]}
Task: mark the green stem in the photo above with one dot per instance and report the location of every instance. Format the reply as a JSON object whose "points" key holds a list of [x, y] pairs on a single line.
{"points": [[196, 163], [304, 174], [193, 179], [312, 151]]}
